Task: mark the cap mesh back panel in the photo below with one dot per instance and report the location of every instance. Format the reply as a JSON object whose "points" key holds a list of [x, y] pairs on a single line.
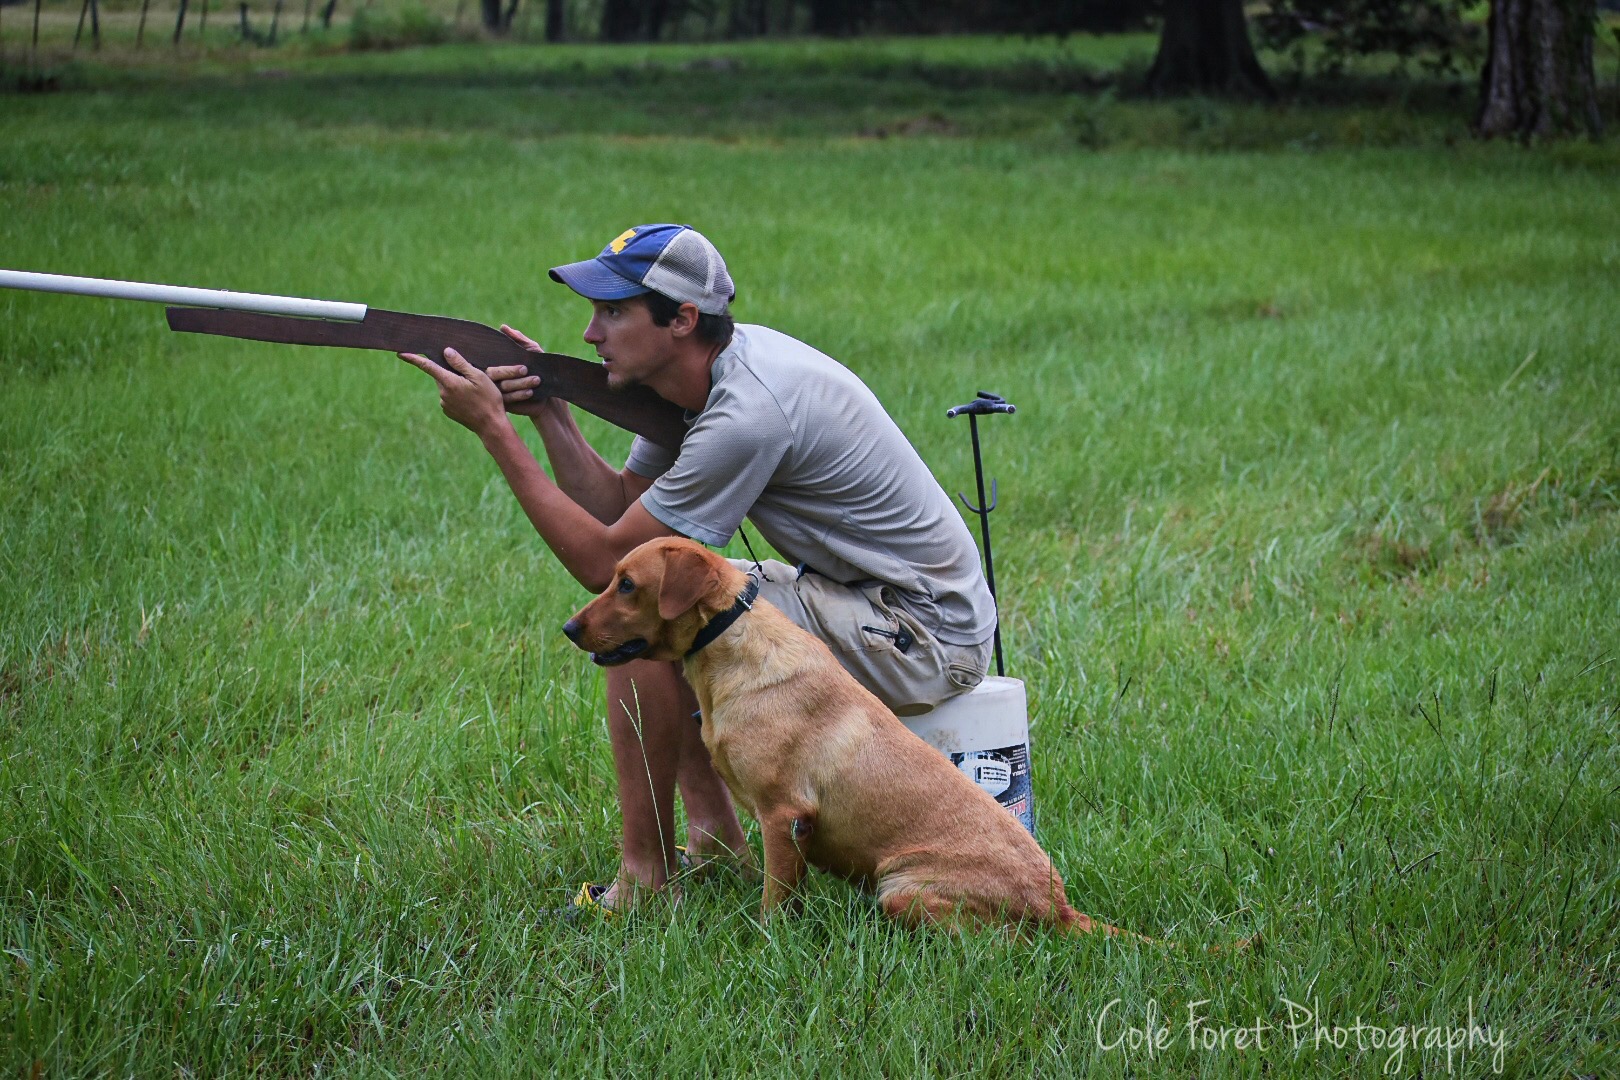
{"points": [[692, 262]]}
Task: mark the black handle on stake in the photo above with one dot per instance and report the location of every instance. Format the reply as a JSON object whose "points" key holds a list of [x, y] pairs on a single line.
{"points": [[985, 404]]}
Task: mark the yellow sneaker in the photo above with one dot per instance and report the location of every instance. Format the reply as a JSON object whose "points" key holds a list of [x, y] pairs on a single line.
{"points": [[589, 900]]}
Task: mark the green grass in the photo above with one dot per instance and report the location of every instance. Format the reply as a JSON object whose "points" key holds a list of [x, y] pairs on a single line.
{"points": [[1308, 549]]}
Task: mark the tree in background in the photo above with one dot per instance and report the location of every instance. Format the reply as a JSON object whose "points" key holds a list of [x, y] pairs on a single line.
{"points": [[1432, 32], [496, 19], [842, 18], [836, 18], [621, 20], [1205, 48], [637, 20], [1538, 80], [1049, 16]]}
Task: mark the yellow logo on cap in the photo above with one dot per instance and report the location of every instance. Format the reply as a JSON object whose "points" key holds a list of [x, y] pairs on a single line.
{"points": [[621, 240]]}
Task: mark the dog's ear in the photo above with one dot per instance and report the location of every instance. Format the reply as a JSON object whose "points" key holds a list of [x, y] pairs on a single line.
{"points": [[688, 575]]}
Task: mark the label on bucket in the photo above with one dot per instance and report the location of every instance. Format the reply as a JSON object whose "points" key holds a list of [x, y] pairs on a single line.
{"points": [[1004, 773]]}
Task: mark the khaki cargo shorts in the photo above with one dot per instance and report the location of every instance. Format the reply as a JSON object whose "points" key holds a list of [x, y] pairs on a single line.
{"points": [[883, 646]]}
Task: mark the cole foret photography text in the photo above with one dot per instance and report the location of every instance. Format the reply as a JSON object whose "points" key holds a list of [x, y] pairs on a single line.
{"points": [[1150, 1030]]}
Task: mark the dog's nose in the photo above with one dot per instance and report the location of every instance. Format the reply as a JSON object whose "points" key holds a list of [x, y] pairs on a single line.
{"points": [[571, 629]]}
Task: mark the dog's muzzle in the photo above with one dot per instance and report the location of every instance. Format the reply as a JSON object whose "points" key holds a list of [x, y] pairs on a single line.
{"points": [[621, 654]]}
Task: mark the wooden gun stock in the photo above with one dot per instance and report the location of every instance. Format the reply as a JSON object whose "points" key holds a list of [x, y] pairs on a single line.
{"points": [[580, 382]]}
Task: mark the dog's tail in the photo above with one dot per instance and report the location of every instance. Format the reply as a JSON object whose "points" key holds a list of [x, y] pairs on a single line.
{"points": [[1073, 922]]}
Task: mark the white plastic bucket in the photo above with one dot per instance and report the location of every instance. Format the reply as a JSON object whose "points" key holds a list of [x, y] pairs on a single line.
{"points": [[985, 733]]}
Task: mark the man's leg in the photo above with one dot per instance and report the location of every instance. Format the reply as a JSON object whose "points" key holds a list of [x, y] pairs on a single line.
{"points": [[864, 629], [649, 727], [712, 828]]}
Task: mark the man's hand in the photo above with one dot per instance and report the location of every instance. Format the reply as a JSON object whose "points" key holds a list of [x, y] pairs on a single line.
{"points": [[515, 382], [467, 395]]}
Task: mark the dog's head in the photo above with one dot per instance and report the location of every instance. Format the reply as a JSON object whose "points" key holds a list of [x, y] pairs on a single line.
{"points": [[661, 595]]}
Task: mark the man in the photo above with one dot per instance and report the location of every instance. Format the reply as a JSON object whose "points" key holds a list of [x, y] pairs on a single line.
{"points": [[887, 572]]}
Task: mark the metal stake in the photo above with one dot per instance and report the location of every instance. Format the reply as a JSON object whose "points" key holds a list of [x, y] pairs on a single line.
{"points": [[984, 404]]}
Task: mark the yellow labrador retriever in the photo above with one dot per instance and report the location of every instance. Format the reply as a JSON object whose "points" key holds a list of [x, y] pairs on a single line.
{"points": [[834, 779]]}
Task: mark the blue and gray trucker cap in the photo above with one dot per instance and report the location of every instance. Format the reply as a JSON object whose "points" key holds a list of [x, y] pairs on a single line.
{"points": [[675, 260]]}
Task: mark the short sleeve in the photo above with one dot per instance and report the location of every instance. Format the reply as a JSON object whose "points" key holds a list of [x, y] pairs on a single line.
{"points": [[727, 459], [648, 459]]}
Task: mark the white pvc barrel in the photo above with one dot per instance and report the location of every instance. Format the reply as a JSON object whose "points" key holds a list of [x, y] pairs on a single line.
{"points": [[183, 296], [985, 733]]}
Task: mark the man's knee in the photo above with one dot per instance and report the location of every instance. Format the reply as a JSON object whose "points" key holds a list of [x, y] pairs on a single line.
{"points": [[891, 654]]}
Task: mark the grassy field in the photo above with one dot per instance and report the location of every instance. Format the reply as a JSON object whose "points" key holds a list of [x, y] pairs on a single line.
{"points": [[1308, 549]]}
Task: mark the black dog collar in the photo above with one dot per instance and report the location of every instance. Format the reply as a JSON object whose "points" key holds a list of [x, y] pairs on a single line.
{"points": [[722, 622]]}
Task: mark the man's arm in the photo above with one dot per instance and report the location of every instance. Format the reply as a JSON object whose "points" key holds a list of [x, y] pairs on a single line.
{"points": [[580, 471], [587, 547]]}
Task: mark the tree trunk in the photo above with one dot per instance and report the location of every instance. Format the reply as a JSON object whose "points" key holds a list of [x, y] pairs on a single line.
{"points": [[490, 12], [1538, 80], [749, 18], [556, 20], [79, 32], [830, 18], [1205, 49], [657, 12], [621, 20]]}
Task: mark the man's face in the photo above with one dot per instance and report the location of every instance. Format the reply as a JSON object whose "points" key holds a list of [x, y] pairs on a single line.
{"points": [[632, 347]]}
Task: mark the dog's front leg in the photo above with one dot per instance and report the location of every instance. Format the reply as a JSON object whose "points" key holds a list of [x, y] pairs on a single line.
{"points": [[784, 833]]}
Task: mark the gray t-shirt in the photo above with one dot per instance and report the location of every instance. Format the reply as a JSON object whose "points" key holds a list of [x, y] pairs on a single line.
{"points": [[792, 440]]}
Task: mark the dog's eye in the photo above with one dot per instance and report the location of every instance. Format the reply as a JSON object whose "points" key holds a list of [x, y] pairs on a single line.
{"points": [[626, 585]]}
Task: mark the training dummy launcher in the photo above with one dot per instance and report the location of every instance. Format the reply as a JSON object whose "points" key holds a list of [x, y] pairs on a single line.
{"points": [[293, 320], [985, 732]]}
